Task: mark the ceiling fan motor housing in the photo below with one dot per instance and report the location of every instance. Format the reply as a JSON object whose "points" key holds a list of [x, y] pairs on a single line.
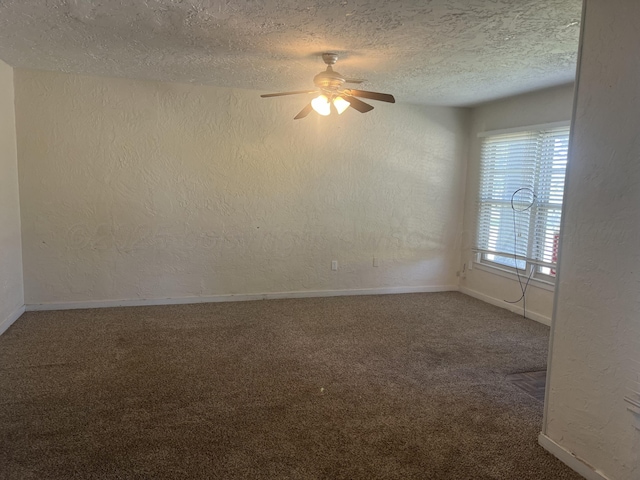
{"points": [[329, 79]]}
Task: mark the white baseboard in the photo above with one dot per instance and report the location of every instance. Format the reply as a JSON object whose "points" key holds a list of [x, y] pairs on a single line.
{"points": [[569, 459], [509, 306], [234, 297], [13, 316]]}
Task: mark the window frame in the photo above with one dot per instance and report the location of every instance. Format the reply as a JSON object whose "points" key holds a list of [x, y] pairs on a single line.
{"points": [[538, 278]]}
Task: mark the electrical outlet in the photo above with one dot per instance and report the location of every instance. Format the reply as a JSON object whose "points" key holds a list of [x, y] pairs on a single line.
{"points": [[334, 264], [376, 263]]}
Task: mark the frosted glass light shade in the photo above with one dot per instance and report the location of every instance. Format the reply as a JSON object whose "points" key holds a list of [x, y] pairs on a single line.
{"points": [[321, 105], [341, 104]]}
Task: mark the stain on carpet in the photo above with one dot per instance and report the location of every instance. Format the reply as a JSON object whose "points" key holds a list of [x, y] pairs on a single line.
{"points": [[533, 383]]}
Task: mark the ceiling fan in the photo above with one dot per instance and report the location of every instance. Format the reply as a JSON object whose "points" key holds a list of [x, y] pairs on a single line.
{"points": [[332, 94]]}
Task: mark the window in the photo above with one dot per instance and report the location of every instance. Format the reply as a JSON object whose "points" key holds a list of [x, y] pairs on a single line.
{"points": [[520, 199]]}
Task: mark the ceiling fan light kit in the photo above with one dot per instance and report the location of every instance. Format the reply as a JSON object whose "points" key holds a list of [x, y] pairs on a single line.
{"points": [[341, 104], [321, 105], [329, 84]]}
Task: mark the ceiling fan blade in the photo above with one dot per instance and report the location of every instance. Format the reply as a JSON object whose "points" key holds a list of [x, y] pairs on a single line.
{"points": [[359, 105], [304, 112], [267, 95], [383, 97], [354, 80]]}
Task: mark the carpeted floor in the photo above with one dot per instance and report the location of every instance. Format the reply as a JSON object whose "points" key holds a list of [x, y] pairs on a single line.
{"points": [[371, 387]]}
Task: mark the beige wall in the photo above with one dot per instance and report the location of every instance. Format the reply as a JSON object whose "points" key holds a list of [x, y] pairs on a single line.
{"points": [[11, 290], [596, 326], [546, 106], [143, 190]]}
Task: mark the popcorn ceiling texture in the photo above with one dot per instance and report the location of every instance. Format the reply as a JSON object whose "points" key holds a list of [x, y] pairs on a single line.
{"points": [[444, 52], [11, 290], [133, 189]]}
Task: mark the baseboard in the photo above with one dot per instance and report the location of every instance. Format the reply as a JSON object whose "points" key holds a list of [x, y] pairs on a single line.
{"points": [[235, 297], [508, 306], [13, 316], [569, 459]]}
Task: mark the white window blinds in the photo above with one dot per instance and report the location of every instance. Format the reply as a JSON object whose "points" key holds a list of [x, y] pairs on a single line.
{"points": [[532, 163]]}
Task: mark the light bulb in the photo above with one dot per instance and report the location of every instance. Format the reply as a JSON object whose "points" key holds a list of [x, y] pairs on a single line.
{"points": [[341, 104], [321, 105]]}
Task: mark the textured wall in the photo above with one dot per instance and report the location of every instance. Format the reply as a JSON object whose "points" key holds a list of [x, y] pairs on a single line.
{"points": [[596, 326], [134, 189], [11, 292], [546, 106]]}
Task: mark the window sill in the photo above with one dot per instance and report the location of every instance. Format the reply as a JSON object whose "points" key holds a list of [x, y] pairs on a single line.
{"points": [[535, 282]]}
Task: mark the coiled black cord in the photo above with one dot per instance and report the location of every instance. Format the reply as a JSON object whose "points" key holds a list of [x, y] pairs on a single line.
{"points": [[525, 285]]}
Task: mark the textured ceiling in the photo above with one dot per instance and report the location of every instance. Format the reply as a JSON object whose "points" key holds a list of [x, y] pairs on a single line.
{"points": [[442, 52]]}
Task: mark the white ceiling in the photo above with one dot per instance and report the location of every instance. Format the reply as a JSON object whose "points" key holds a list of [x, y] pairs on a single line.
{"points": [[442, 52]]}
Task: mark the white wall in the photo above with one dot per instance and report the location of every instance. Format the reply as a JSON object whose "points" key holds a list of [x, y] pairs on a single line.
{"points": [[596, 318], [11, 290], [545, 106], [138, 190]]}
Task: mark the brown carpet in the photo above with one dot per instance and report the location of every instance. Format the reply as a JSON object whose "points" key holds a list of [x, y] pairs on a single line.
{"points": [[372, 387]]}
